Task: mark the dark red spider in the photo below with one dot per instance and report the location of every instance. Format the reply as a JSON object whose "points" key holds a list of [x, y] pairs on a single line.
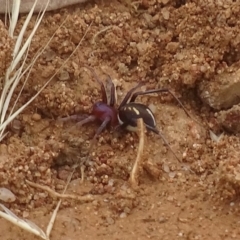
{"points": [[127, 113]]}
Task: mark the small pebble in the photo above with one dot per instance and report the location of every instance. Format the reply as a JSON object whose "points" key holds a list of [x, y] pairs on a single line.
{"points": [[165, 13], [25, 214], [64, 76], [170, 198], [152, 107], [123, 215], [36, 117], [162, 220], [165, 168], [16, 125], [95, 203], [172, 174], [110, 220], [127, 210], [59, 187], [6, 195]]}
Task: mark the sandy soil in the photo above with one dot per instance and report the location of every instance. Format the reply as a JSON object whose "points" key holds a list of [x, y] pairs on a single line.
{"points": [[180, 45]]}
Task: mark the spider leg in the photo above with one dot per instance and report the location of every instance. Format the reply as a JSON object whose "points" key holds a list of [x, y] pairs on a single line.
{"points": [[88, 119], [129, 95], [76, 117], [112, 92], [103, 89], [166, 142], [153, 129], [136, 94], [99, 130]]}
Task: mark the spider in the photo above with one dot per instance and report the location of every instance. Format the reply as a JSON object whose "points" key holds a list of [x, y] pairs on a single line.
{"points": [[128, 112]]}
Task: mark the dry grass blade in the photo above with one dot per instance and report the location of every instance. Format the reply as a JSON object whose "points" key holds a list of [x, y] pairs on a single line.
{"points": [[14, 18], [28, 225], [3, 125], [24, 224], [138, 162], [18, 50], [214, 137], [13, 75], [29, 67], [17, 75]]}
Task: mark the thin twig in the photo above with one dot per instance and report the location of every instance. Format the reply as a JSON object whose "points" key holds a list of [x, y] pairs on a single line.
{"points": [[86, 198], [138, 162], [100, 32]]}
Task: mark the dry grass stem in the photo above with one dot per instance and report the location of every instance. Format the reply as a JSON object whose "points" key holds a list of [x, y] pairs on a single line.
{"points": [[138, 162], [13, 75], [3, 123], [82, 170], [54, 215], [13, 19], [28, 225], [100, 32], [52, 193], [22, 223]]}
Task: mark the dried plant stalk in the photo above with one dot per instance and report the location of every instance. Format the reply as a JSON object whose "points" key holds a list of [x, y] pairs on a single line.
{"points": [[12, 81], [28, 225], [138, 162], [86, 198], [12, 78]]}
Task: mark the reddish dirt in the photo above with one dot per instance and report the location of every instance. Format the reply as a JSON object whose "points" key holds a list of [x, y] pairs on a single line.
{"points": [[174, 44]]}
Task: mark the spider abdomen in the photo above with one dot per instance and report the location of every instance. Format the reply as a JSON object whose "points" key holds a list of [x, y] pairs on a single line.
{"points": [[130, 112], [102, 110]]}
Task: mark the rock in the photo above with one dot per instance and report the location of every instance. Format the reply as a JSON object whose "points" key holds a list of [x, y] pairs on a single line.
{"points": [[223, 91], [6, 195], [229, 119]]}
